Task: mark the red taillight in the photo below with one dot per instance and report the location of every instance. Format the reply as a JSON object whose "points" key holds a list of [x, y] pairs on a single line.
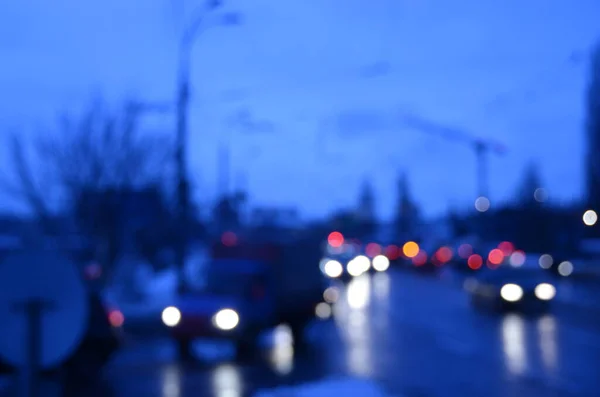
{"points": [[420, 259], [444, 255], [475, 261], [372, 250], [495, 258], [506, 247], [229, 239], [116, 318]]}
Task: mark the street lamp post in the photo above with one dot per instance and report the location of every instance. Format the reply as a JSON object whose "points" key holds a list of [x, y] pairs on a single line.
{"points": [[188, 38], [182, 192]]}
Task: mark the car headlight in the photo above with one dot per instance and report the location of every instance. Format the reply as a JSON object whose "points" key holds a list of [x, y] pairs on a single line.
{"points": [[226, 319], [333, 269], [171, 316], [381, 263], [511, 292], [545, 291]]}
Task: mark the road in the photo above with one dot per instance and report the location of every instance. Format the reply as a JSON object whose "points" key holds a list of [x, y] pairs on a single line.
{"points": [[415, 335]]}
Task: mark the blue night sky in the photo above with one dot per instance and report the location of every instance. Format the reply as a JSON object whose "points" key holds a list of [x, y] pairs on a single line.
{"points": [[331, 74]]}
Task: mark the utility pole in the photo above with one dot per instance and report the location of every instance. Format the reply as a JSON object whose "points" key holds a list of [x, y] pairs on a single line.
{"points": [[190, 34], [482, 169], [183, 188], [224, 169]]}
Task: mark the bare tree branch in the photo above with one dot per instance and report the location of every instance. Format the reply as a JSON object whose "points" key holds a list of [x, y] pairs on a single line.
{"points": [[28, 188], [94, 151]]}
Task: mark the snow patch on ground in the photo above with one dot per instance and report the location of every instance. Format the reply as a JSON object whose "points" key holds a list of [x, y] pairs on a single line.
{"points": [[349, 387], [146, 293]]}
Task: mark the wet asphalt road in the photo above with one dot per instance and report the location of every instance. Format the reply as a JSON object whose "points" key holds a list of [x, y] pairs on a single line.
{"points": [[416, 336]]}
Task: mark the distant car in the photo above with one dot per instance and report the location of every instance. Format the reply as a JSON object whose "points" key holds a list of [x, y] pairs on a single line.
{"points": [[100, 342], [511, 289]]}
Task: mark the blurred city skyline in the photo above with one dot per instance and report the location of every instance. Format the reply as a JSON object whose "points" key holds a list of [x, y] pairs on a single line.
{"points": [[514, 71]]}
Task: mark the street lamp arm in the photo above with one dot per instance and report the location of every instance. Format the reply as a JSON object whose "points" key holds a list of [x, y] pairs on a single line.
{"points": [[191, 32]]}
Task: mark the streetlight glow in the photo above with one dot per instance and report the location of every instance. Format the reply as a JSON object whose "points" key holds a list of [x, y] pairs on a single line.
{"points": [[590, 217]]}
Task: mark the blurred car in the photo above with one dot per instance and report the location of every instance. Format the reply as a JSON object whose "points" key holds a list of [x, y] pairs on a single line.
{"points": [[511, 289], [101, 341], [251, 287]]}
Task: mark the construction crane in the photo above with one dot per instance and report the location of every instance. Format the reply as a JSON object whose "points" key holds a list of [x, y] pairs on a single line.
{"points": [[481, 146]]}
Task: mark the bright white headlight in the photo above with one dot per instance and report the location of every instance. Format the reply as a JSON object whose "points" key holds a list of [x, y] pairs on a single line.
{"points": [[381, 263], [226, 319], [545, 291], [333, 269], [511, 292], [171, 316], [354, 268]]}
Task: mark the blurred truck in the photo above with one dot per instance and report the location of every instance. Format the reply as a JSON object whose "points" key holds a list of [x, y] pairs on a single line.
{"points": [[251, 286]]}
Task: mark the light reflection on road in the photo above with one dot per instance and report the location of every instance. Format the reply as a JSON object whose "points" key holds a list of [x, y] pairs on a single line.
{"points": [[354, 322], [381, 286], [380, 315], [375, 340], [171, 381], [548, 345], [514, 344], [226, 381], [358, 293], [518, 350], [281, 354]]}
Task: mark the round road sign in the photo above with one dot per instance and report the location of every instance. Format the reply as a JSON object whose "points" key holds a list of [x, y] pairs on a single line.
{"points": [[46, 277]]}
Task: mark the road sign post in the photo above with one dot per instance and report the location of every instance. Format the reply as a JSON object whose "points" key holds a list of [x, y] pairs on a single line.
{"points": [[33, 309], [43, 314]]}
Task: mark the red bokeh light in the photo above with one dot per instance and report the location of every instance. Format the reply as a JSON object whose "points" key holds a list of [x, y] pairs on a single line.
{"points": [[475, 262], [496, 257], [229, 239], [392, 252], [372, 250], [420, 259], [116, 318], [506, 247], [444, 255], [335, 239]]}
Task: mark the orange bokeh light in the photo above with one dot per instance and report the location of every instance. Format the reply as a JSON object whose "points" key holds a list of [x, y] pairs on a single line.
{"points": [[410, 249]]}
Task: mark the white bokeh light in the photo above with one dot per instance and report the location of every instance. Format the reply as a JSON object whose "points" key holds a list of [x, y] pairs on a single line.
{"points": [[171, 316], [546, 261], [482, 204], [590, 217], [226, 319], [565, 268], [381, 263], [333, 268]]}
